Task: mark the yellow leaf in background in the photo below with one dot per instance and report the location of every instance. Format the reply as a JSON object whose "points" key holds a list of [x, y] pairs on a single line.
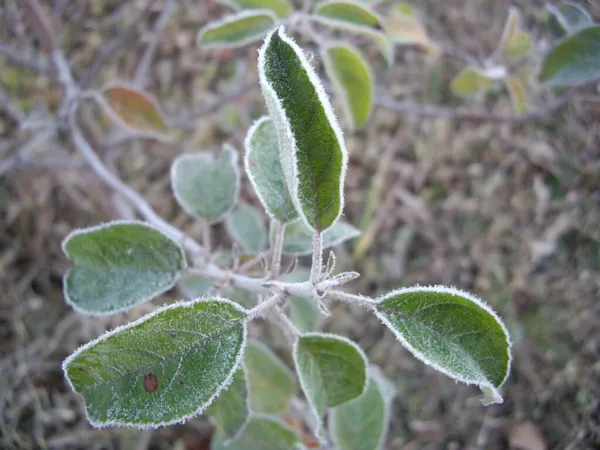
{"points": [[515, 43], [136, 110], [517, 93], [470, 82], [404, 26]]}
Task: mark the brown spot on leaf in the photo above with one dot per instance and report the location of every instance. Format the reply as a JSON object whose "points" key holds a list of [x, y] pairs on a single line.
{"points": [[181, 383], [172, 333], [150, 382]]}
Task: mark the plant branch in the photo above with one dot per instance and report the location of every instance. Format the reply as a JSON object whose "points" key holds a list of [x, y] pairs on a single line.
{"points": [[279, 231], [139, 80], [316, 269]]}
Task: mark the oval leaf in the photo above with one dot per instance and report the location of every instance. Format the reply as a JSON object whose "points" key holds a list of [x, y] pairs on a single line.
{"points": [[204, 186], [246, 225], [272, 385], [355, 17], [264, 170], [574, 60], [470, 82], [352, 78], [237, 30], [194, 286], [311, 144], [451, 331], [568, 18], [230, 411], [404, 27], [515, 43], [282, 8], [332, 370], [298, 238], [164, 368], [262, 432], [118, 265], [135, 110], [361, 424]]}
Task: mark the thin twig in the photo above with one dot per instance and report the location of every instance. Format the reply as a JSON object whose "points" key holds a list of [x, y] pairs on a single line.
{"points": [[139, 79], [24, 153], [206, 237], [316, 269], [40, 25], [279, 232]]}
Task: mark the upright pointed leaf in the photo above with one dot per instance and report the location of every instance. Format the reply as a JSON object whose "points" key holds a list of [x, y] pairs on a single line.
{"points": [[164, 368], [361, 424], [574, 60], [237, 30], [470, 82], [352, 78], [247, 226], [355, 17], [264, 170], [515, 42], [230, 411], [298, 238], [272, 385], [451, 331], [205, 186], [282, 8], [569, 18], [136, 110], [262, 432], [118, 265], [332, 370], [517, 93], [311, 144]]}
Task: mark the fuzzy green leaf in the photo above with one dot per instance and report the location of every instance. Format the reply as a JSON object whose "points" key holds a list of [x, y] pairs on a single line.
{"points": [[272, 385], [298, 237], [352, 78], [246, 225], [230, 411], [161, 369], [237, 30], [361, 424], [118, 265], [574, 60], [332, 370], [264, 170], [569, 18], [311, 144], [262, 432], [470, 82], [355, 17], [451, 331], [205, 186], [283, 8]]}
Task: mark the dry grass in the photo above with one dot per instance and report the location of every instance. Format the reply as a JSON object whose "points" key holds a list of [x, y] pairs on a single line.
{"points": [[510, 213]]}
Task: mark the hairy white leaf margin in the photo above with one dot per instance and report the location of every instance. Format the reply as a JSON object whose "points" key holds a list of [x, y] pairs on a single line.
{"points": [[180, 304], [99, 98], [93, 229], [331, 72], [208, 159], [228, 20], [375, 376], [304, 388], [357, 4], [248, 150], [490, 391], [285, 135]]}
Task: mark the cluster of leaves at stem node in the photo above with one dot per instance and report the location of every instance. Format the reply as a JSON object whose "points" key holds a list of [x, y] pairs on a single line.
{"points": [[193, 357]]}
